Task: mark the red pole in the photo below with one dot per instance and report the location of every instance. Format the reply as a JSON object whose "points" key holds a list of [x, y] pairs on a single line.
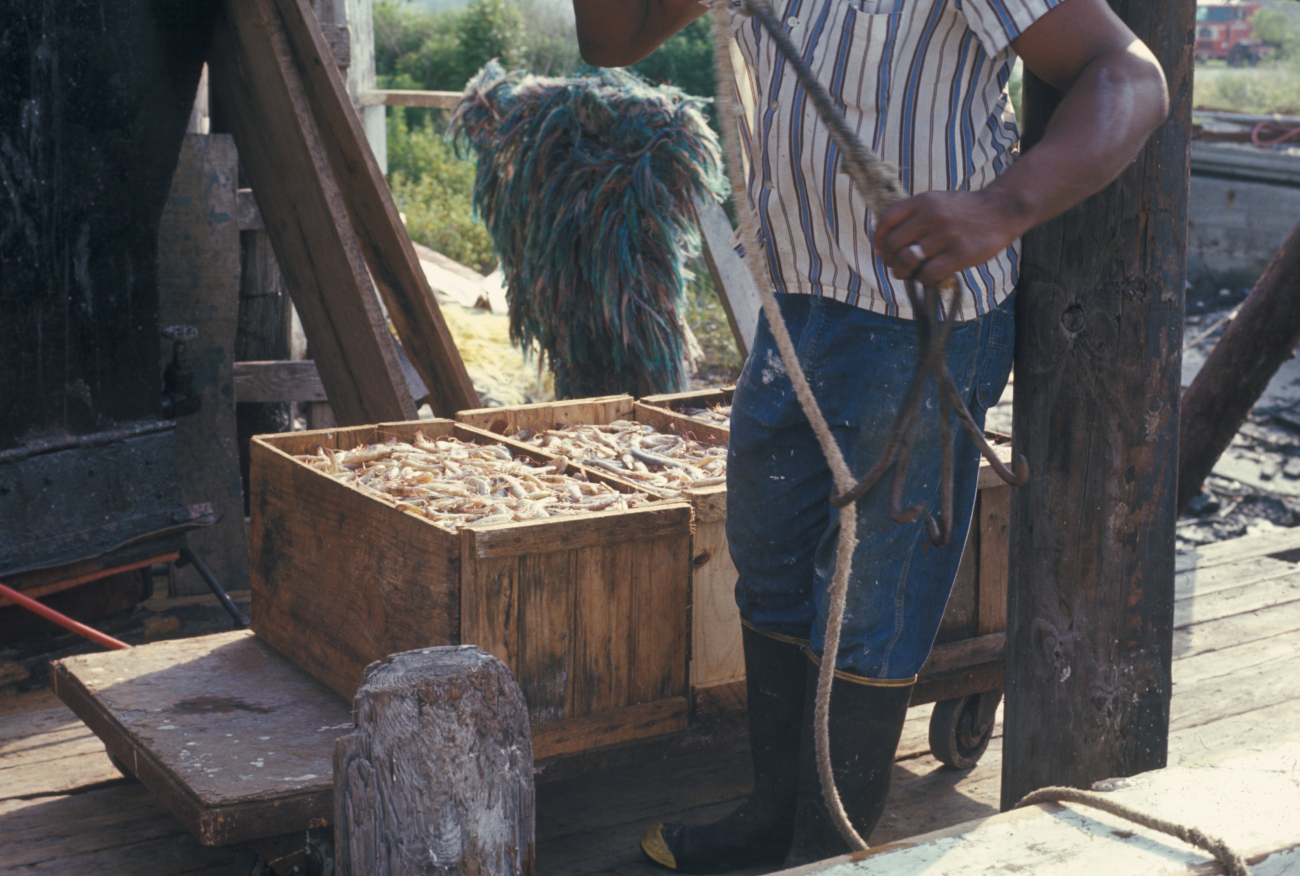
{"points": [[62, 620]]}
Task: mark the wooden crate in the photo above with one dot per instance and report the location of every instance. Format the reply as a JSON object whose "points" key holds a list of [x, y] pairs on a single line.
{"points": [[588, 612], [717, 666], [968, 654]]}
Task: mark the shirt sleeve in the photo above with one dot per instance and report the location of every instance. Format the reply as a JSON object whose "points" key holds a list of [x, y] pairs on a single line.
{"points": [[997, 22]]}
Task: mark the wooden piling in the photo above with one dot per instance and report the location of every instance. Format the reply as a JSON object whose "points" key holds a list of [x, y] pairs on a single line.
{"points": [[438, 776], [1256, 343], [1098, 354]]}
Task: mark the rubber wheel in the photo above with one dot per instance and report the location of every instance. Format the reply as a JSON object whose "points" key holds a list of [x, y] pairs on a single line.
{"points": [[958, 738], [249, 863], [320, 857]]}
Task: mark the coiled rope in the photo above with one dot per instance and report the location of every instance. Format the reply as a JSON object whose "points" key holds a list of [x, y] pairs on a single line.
{"points": [[878, 184]]}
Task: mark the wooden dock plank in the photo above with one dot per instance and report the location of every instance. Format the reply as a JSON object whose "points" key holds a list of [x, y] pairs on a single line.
{"points": [[1237, 600], [120, 830], [1234, 690], [1238, 629]]}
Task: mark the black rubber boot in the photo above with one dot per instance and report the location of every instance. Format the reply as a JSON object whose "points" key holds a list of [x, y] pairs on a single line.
{"points": [[866, 721], [759, 830]]}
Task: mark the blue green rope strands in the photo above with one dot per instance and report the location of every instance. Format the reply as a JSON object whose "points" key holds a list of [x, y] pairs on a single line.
{"points": [[586, 187]]}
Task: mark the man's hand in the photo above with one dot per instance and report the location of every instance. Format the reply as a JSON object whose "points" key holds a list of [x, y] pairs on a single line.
{"points": [[617, 33], [1115, 97]]}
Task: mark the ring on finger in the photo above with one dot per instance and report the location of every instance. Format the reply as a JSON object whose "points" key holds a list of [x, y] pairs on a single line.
{"points": [[916, 252]]}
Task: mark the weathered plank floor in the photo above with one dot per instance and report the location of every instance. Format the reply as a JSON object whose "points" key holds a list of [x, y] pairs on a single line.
{"points": [[64, 810]]}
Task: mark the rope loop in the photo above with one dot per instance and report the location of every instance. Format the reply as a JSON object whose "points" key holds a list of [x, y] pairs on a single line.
{"points": [[1233, 863]]}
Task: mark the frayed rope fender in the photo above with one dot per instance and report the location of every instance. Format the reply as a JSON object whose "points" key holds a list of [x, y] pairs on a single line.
{"points": [[587, 187]]}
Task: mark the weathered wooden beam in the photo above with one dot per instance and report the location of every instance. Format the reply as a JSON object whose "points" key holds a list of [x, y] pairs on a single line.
{"points": [[731, 276], [406, 97], [379, 230], [291, 380], [263, 98], [198, 285], [1098, 351], [438, 776], [1259, 339], [295, 380]]}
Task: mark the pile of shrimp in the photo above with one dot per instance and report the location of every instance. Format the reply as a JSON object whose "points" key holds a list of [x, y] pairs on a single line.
{"points": [[660, 463], [453, 483]]}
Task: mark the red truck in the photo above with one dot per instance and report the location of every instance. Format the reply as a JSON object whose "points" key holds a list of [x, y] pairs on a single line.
{"points": [[1224, 31]]}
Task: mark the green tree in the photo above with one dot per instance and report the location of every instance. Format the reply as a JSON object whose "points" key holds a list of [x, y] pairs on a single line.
{"points": [[686, 60], [1278, 28], [489, 29]]}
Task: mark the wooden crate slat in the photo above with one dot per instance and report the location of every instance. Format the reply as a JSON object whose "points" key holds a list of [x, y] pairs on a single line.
{"points": [[994, 529], [380, 233], [546, 634], [602, 663], [607, 728], [263, 98], [662, 574]]}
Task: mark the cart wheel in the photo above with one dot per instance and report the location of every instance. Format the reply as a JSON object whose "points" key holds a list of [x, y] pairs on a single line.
{"points": [[320, 852], [249, 863], [320, 857], [960, 729]]}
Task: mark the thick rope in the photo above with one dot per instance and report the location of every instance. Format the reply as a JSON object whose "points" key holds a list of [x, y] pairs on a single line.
{"points": [[1232, 862], [840, 471]]}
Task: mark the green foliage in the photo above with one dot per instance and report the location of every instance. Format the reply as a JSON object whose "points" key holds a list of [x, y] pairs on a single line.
{"points": [[708, 322], [1279, 29], [550, 42], [489, 29], [686, 60], [1261, 90], [433, 187], [440, 51]]}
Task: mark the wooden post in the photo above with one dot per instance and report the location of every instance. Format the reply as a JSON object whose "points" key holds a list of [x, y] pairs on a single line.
{"points": [[1098, 351], [198, 285], [438, 776], [1255, 344]]}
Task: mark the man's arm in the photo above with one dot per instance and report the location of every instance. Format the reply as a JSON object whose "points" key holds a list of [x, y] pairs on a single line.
{"points": [[1115, 97], [616, 33]]}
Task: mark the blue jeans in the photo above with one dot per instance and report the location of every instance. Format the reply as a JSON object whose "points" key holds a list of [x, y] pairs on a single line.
{"points": [[780, 525]]}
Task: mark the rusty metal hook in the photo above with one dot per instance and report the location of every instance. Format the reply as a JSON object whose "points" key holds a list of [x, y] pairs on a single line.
{"points": [[932, 339]]}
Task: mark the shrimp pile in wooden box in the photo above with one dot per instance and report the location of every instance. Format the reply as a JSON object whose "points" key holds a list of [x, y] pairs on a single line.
{"points": [[657, 450], [373, 540]]}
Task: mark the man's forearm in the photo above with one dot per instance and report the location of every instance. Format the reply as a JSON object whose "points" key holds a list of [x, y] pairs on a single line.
{"points": [[1106, 116], [616, 33]]}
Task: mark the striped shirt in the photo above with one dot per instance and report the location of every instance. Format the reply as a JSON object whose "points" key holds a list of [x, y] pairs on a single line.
{"points": [[923, 83]]}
